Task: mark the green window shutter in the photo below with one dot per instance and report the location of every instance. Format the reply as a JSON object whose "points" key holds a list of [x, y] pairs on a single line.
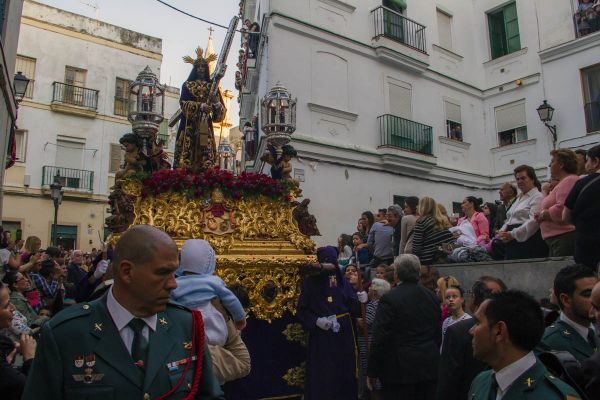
{"points": [[496, 27], [511, 27]]}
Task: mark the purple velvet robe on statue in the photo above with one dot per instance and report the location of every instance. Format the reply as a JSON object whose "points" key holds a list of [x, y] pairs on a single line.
{"points": [[331, 365]]}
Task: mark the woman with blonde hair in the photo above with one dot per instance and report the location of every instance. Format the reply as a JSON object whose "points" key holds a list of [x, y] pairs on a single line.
{"points": [[431, 230]]}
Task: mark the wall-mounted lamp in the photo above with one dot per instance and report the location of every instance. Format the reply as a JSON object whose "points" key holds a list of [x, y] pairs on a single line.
{"points": [[546, 111]]}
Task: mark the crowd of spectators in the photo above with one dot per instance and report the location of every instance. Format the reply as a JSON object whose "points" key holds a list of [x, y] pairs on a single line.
{"points": [[557, 219], [424, 336]]}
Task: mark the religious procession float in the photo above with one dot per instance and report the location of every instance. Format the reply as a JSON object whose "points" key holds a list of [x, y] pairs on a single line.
{"points": [[257, 224]]}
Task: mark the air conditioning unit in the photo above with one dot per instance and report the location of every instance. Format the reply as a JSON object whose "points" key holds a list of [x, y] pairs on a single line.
{"points": [[26, 180]]}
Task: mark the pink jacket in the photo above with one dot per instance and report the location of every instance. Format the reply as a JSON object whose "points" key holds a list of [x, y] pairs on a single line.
{"points": [[481, 226], [554, 204]]}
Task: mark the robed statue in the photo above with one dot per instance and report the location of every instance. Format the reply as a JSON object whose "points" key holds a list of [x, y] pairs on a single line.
{"points": [[195, 148]]}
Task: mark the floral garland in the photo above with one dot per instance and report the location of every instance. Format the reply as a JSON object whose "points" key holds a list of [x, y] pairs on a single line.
{"points": [[246, 184]]}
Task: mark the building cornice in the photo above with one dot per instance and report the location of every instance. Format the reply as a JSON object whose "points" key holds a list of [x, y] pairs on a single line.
{"points": [[89, 38], [393, 161], [102, 117], [569, 48]]}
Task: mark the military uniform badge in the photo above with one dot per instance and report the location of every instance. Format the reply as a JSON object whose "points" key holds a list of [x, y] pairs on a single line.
{"points": [[79, 360], [88, 377]]}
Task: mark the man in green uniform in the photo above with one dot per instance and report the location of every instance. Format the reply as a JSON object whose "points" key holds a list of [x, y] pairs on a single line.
{"points": [[508, 327], [130, 344], [572, 331]]}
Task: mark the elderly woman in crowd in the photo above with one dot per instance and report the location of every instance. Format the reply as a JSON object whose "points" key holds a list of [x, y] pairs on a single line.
{"points": [[581, 208], [407, 224], [431, 230], [19, 285], [559, 237], [520, 236]]}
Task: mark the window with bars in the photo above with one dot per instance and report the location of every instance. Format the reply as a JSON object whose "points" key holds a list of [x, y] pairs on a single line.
{"points": [[121, 96], [511, 123], [503, 25], [26, 65]]}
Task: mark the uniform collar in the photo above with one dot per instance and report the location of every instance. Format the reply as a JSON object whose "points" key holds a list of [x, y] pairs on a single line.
{"points": [[507, 375], [121, 316], [580, 329]]}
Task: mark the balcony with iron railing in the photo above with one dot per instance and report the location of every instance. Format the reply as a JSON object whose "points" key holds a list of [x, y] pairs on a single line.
{"points": [[401, 133], [592, 116], [70, 178], [74, 99], [395, 26]]}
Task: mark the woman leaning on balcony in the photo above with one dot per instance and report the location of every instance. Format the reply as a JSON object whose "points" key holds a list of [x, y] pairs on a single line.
{"points": [[559, 237]]}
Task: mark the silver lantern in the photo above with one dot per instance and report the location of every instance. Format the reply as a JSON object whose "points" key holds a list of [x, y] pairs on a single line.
{"points": [[146, 107], [278, 116]]}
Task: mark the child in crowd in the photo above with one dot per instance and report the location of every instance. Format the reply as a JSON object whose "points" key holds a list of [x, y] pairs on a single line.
{"points": [[378, 288], [361, 253], [444, 283], [455, 300], [197, 288], [380, 271], [344, 250]]}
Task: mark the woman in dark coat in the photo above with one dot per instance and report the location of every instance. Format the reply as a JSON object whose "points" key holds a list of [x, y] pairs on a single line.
{"points": [[326, 307]]}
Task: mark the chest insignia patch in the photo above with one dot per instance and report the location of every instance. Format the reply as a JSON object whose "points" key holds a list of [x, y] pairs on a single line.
{"points": [[79, 360], [88, 377]]}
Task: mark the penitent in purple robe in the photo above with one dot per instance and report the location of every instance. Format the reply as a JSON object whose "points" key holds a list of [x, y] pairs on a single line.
{"points": [[331, 365]]}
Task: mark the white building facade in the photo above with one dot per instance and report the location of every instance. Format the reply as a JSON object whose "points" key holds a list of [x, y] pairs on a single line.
{"points": [[436, 98], [10, 16], [71, 119]]}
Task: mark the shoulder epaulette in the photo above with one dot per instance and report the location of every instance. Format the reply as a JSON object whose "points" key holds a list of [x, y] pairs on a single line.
{"points": [[179, 306], [566, 391], [71, 312]]}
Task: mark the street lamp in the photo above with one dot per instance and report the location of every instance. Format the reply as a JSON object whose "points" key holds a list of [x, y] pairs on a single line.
{"points": [[278, 115], [20, 83], [56, 193], [546, 111]]}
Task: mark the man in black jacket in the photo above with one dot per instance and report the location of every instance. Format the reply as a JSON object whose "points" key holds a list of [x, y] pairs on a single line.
{"points": [[406, 336], [457, 367]]}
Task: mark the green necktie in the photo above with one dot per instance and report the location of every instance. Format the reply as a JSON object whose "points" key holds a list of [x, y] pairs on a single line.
{"points": [[493, 388], [139, 346], [591, 338]]}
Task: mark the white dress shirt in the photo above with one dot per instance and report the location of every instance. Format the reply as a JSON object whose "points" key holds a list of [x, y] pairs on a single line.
{"points": [[522, 213], [582, 330], [122, 317], [507, 375]]}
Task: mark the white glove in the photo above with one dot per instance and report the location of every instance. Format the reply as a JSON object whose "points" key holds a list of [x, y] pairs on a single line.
{"points": [[101, 268], [324, 323], [335, 325], [362, 296]]}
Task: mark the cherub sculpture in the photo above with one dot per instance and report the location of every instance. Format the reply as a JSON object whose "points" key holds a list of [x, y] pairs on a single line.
{"points": [[133, 160]]}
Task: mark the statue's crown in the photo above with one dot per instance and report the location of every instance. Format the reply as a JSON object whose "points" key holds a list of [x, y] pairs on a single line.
{"points": [[200, 57]]}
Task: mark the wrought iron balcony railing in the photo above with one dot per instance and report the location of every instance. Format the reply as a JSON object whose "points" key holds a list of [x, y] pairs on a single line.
{"points": [[74, 95], [405, 134], [395, 26], [592, 116], [69, 178]]}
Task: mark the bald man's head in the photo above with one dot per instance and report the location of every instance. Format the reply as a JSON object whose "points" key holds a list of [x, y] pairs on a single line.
{"points": [[140, 244], [144, 264]]}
